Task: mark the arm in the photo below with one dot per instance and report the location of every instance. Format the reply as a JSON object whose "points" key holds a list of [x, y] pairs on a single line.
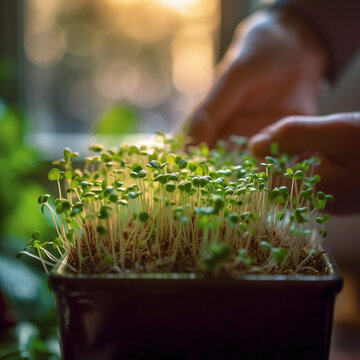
{"points": [[335, 22]]}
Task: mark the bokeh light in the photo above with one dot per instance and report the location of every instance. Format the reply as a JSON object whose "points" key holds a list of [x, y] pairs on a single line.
{"points": [[192, 63], [89, 54], [46, 48]]}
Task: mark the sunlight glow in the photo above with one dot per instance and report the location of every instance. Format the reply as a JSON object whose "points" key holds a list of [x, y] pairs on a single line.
{"points": [[154, 55], [181, 5]]}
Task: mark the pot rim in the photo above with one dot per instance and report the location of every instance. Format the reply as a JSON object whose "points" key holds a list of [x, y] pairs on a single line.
{"points": [[333, 275]]}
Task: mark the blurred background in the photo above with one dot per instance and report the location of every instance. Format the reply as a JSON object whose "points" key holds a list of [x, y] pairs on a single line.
{"points": [[71, 70], [146, 62]]}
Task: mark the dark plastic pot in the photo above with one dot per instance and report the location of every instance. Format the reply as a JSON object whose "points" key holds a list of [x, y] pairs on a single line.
{"points": [[186, 317]]}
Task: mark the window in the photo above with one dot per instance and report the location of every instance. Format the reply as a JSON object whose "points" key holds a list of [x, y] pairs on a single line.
{"points": [[147, 61]]}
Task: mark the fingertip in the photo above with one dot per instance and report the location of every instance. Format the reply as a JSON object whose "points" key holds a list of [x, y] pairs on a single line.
{"points": [[259, 144], [201, 128]]}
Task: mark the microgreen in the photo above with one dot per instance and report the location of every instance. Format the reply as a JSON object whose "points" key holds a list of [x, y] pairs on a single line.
{"points": [[148, 209], [214, 255]]}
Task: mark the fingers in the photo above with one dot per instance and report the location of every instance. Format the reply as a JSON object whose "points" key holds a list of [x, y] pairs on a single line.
{"points": [[294, 135], [336, 136], [202, 127], [220, 105], [248, 123], [235, 75]]}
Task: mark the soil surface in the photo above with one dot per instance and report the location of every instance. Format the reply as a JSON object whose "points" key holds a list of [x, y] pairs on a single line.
{"points": [[161, 260]]}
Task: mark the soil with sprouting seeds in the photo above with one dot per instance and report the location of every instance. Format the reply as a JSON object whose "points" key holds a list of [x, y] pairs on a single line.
{"points": [[160, 257]]}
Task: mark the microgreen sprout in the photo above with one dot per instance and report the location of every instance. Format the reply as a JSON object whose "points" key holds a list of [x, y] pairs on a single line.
{"points": [[147, 209]]}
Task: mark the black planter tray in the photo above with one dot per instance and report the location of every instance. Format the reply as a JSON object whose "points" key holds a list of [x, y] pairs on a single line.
{"points": [[183, 316]]}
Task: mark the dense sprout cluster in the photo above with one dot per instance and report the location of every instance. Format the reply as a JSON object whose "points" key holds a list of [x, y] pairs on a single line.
{"points": [[159, 209]]}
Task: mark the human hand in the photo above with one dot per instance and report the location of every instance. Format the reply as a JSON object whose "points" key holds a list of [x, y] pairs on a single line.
{"points": [[271, 70], [334, 138]]}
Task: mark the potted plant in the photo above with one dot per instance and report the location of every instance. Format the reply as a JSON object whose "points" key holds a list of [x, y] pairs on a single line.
{"points": [[165, 254]]}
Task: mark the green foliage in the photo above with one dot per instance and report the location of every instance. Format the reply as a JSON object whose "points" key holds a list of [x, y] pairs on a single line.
{"points": [[203, 210], [21, 282], [215, 255], [144, 216], [279, 255], [266, 245], [55, 174], [274, 149], [117, 120], [27, 342], [18, 162], [243, 257], [322, 220]]}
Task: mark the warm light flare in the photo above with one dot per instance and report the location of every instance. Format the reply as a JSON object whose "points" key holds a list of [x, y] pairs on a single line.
{"points": [[179, 4], [192, 64], [155, 55]]}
